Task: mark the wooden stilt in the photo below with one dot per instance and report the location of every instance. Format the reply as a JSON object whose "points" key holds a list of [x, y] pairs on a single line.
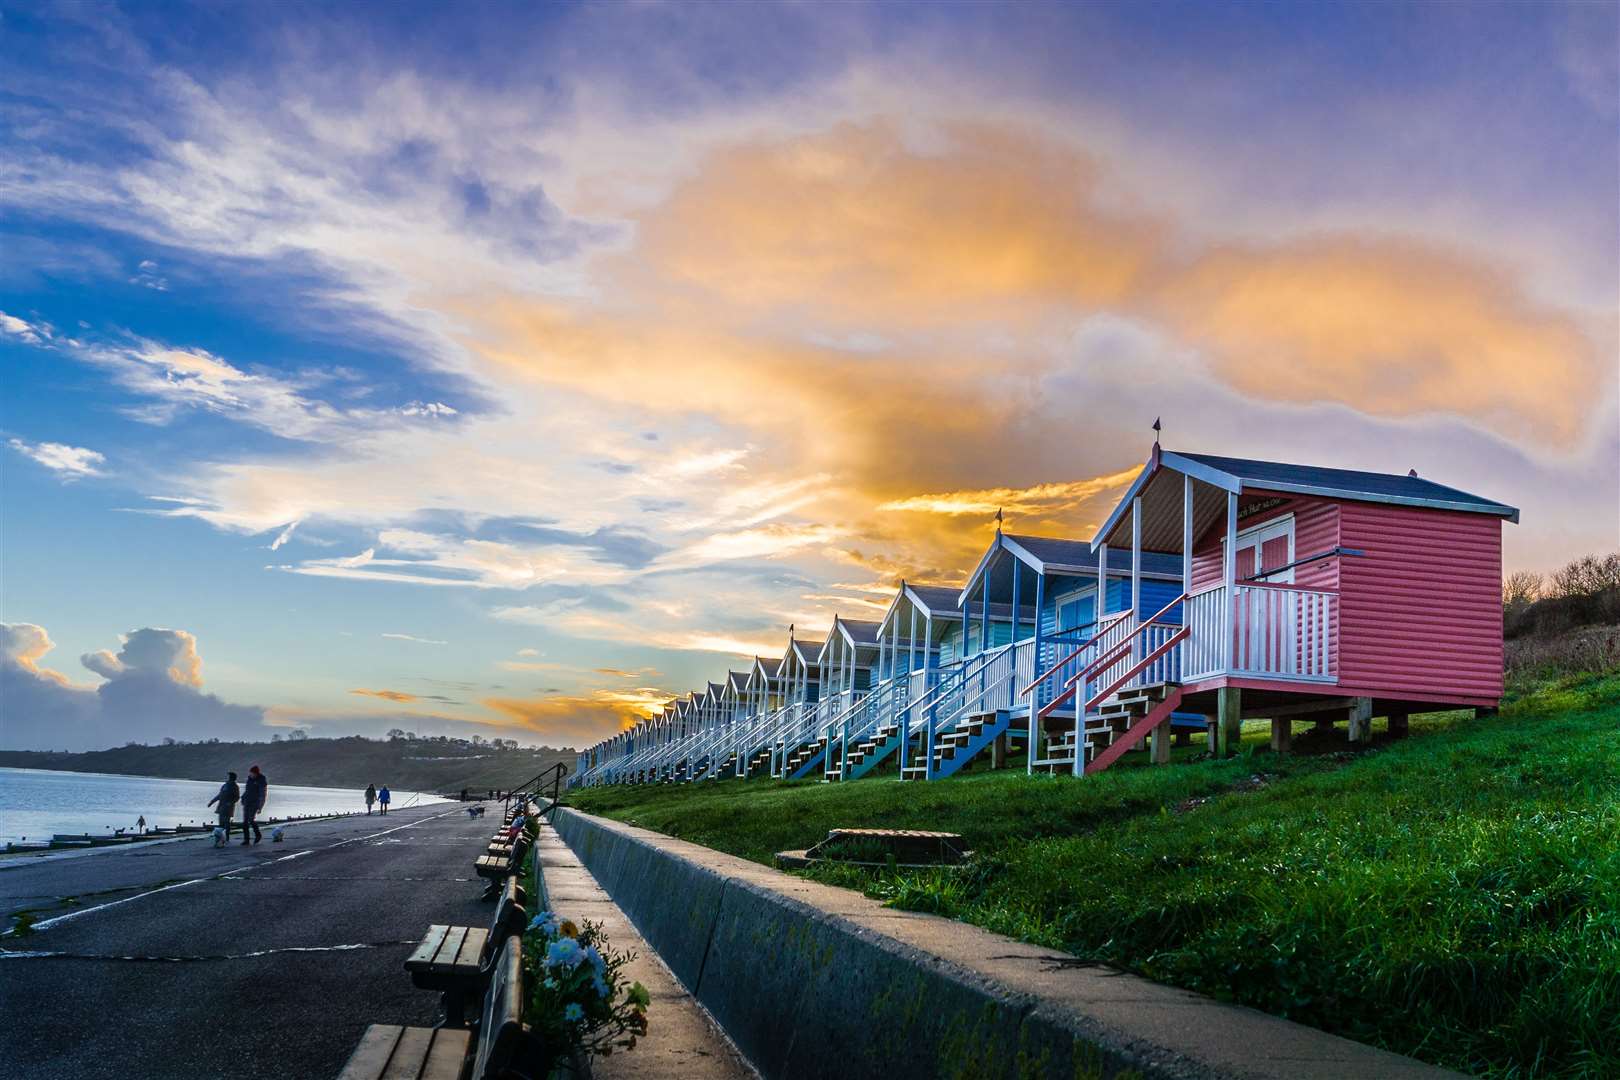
{"points": [[998, 752], [1397, 725], [1282, 734], [1361, 721], [1229, 705], [1160, 746], [1183, 736]]}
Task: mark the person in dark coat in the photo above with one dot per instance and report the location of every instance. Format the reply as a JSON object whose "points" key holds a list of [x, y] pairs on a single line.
{"points": [[371, 796], [252, 802], [229, 795]]}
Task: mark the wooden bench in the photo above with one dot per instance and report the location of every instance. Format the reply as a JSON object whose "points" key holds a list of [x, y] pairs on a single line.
{"points": [[496, 868], [504, 1049], [457, 961]]}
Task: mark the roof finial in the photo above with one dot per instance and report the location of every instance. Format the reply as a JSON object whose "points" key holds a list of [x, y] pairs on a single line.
{"points": [[999, 519], [1157, 427]]}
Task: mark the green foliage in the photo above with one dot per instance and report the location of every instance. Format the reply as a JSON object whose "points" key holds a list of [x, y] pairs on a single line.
{"points": [[1454, 895]]}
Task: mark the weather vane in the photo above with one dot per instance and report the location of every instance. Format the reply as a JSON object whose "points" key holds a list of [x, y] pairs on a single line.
{"points": [[1156, 430], [998, 519]]}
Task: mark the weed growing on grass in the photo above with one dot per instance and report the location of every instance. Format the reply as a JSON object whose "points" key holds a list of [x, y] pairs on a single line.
{"points": [[1455, 895]]}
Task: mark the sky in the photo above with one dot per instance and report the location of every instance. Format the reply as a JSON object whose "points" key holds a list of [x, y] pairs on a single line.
{"points": [[507, 369]]}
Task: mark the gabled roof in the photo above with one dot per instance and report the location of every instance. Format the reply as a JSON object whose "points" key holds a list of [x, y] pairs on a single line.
{"points": [[1239, 475], [856, 631], [937, 600], [807, 649], [1058, 555], [737, 680]]}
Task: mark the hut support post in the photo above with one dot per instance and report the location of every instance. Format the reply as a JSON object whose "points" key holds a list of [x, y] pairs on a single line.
{"points": [[1361, 721], [1229, 708]]}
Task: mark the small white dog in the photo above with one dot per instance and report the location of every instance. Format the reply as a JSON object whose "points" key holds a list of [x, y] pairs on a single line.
{"points": [[219, 836]]}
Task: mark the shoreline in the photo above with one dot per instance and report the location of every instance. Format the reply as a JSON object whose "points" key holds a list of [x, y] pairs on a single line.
{"points": [[12, 859]]}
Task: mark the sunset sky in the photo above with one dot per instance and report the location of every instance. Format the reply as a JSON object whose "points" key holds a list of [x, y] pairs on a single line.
{"points": [[509, 368]]}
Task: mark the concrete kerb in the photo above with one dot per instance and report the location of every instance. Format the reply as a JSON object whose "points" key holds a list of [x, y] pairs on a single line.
{"points": [[813, 981]]}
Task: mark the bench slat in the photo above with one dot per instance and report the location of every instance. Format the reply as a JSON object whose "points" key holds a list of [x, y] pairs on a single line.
{"points": [[431, 943], [409, 1055], [472, 946], [370, 1058]]}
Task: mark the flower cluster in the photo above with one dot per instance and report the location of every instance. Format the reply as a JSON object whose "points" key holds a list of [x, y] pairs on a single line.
{"points": [[580, 1000]]}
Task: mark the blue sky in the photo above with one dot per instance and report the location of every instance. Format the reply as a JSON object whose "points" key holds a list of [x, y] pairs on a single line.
{"points": [[506, 369]]}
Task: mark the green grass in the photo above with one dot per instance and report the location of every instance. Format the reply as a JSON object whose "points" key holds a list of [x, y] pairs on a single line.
{"points": [[1455, 895]]}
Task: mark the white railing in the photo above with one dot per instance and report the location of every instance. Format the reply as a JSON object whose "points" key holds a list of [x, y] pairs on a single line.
{"points": [[1203, 654], [1280, 630]]}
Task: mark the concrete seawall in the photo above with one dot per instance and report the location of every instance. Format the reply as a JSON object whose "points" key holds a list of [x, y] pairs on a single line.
{"points": [[812, 981]]}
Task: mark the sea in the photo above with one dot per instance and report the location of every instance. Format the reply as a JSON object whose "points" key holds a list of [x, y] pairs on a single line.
{"points": [[37, 803]]}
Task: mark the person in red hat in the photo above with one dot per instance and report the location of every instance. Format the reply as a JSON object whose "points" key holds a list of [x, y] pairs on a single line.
{"points": [[253, 796]]}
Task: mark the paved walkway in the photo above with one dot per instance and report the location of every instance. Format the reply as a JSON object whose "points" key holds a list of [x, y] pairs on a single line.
{"points": [[188, 961], [682, 1041]]}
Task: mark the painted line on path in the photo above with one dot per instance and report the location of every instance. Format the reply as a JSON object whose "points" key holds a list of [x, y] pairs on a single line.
{"points": [[45, 924]]}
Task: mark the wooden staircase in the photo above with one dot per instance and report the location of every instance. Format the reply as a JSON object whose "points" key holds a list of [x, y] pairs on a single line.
{"points": [[807, 757], [867, 754], [1132, 715], [1114, 729]]}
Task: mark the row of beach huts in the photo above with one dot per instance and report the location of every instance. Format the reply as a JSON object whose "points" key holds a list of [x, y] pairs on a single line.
{"points": [[1219, 589]]}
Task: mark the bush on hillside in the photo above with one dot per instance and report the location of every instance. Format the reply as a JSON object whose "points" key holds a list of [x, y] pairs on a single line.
{"points": [[1566, 622]]}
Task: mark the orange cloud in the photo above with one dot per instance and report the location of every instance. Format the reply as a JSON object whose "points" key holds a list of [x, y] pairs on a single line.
{"points": [[862, 224], [388, 695], [588, 717], [1389, 327]]}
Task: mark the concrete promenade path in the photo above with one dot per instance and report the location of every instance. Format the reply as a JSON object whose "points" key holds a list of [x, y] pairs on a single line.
{"points": [[682, 1040], [179, 959]]}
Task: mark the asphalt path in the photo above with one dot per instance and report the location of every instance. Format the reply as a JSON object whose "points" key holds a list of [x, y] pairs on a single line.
{"points": [[189, 961]]}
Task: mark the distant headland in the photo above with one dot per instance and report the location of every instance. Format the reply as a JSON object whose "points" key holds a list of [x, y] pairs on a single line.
{"points": [[436, 763]]}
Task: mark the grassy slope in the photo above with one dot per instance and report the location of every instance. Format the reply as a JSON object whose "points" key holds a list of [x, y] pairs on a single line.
{"points": [[1455, 896]]}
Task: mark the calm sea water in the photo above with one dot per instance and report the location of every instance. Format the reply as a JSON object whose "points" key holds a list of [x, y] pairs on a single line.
{"points": [[35, 803]]}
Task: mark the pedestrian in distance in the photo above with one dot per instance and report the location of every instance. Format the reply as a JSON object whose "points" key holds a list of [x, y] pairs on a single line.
{"points": [[252, 802], [383, 795], [371, 797], [229, 795], [140, 824]]}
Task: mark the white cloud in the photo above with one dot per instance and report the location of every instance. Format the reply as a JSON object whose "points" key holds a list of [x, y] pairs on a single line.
{"points": [[22, 328], [284, 536], [68, 462], [429, 408], [153, 689], [418, 640]]}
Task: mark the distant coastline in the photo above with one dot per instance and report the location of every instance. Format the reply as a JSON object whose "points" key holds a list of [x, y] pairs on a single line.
{"points": [[418, 765]]}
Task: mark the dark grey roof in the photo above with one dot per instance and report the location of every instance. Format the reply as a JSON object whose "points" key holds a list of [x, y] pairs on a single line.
{"points": [[1348, 483], [939, 598], [861, 631], [1051, 551], [771, 664]]}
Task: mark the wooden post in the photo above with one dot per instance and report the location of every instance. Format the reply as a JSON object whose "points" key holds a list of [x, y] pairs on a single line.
{"points": [[1282, 733], [998, 752], [1397, 724], [1160, 750], [1229, 579], [1183, 736], [1361, 721], [1229, 704]]}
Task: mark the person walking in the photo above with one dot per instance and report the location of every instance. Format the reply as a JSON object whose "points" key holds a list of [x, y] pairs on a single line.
{"points": [[371, 797], [252, 802], [383, 795], [229, 795]]}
